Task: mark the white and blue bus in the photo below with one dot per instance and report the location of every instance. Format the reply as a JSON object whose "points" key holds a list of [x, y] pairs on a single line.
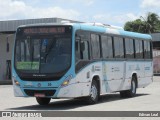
{"points": [[79, 60]]}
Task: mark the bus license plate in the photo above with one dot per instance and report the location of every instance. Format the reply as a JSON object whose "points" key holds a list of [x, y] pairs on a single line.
{"points": [[39, 95]]}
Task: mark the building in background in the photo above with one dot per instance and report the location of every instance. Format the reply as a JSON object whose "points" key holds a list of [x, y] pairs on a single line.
{"points": [[7, 33], [156, 53]]}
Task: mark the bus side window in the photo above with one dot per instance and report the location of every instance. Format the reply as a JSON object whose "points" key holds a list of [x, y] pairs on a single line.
{"points": [[138, 49], [118, 47], [129, 48], [141, 48], [151, 48], [147, 53], [95, 43], [110, 47], [104, 44]]}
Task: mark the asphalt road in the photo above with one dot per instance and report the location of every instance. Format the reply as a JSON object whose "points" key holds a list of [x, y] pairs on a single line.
{"points": [[147, 99]]}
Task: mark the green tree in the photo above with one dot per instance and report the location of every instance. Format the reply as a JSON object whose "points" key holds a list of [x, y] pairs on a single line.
{"points": [[135, 26], [149, 24]]}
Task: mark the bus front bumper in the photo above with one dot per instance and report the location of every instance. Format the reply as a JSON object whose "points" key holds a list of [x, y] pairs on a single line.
{"points": [[69, 91]]}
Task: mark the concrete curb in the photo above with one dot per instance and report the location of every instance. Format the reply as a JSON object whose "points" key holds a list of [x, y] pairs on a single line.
{"points": [[5, 82]]}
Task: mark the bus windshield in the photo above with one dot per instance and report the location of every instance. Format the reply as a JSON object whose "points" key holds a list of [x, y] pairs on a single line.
{"points": [[41, 52]]}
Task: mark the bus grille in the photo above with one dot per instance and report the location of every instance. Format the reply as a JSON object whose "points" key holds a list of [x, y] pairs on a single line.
{"points": [[46, 92]]}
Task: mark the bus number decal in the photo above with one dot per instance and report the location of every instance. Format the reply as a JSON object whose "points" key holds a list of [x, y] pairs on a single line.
{"points": [[49, 84]]}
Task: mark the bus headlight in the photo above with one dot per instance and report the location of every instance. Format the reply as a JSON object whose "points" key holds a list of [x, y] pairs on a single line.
{"points": [[66, 81], [15, 81]]}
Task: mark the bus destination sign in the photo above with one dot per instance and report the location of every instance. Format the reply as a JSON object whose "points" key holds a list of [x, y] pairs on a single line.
{"points": [[44, 30]]}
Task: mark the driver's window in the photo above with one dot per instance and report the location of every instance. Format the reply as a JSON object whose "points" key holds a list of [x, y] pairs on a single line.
{"points": [[82, 46], [77, 48], [82, 54], [85, 52]]}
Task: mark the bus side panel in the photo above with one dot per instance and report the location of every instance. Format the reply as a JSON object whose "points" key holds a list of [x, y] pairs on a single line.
{"points": [[137, 67], [132, 67], [147, 79], [148, 69], [113, 74], [143, 70], [73, 90], [85, 76]]}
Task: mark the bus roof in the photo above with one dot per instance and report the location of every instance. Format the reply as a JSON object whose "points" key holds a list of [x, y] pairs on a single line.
{"points": [[112, 31]]}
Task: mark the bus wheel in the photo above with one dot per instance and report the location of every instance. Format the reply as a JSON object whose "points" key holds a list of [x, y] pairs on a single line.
{"points": [[132, 91], [43, 101], [123, 94], [94, 93]]}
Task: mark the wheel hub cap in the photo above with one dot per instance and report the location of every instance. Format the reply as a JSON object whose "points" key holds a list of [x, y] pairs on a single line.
{"points": [[93, 92], [133, 87]]}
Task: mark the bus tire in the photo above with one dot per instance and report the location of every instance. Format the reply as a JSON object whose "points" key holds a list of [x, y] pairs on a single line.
{"points": [[123, 94], [94, 93], [132, 91], [43, 101]]}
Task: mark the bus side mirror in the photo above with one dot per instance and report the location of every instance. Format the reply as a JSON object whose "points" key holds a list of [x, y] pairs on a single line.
{"points": [[82, 46]]}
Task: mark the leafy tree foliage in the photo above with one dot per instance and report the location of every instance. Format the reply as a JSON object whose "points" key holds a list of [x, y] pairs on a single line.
{"points": [[149, 24]]}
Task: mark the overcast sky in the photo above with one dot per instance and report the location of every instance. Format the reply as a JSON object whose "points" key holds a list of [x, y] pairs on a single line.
{"points": [[115, 12]]}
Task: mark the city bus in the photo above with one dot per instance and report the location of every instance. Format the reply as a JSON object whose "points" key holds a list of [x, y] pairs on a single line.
{"points": [[79, 60]]}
